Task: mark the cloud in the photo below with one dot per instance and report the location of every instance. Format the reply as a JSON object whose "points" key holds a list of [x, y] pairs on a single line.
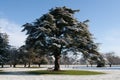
{"points": [[16, 37]]}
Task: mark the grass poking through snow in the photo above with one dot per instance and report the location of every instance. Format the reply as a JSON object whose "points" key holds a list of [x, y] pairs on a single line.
{"points": [[64, 72]]}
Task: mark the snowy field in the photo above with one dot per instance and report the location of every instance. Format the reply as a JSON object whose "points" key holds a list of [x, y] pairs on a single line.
{"points": [[112, 74]]}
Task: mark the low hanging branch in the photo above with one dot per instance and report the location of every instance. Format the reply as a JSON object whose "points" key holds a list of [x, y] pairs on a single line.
{"points": [[57, 31]]}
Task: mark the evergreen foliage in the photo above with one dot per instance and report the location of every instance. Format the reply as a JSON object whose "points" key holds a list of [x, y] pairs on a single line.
{"points": [[3, 48], [58, 32]]}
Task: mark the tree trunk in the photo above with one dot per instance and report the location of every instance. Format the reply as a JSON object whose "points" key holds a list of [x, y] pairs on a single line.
{"points": [[29, 65], [2, 65], [14, 65], [39, 64], [57, 63], [10, 65], [24, 64]]}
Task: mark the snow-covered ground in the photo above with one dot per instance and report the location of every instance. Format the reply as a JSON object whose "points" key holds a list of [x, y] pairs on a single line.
{"points": [[14, 75]]}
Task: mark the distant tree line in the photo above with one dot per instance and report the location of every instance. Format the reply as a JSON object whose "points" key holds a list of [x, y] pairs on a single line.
{"points": [[112, 58], [10, 55]]}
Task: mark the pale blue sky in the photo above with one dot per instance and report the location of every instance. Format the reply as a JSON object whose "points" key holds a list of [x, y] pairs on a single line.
{"points": [[104, 16]]}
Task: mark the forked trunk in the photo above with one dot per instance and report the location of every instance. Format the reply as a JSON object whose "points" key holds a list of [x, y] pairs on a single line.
{"points": [[57, 63]]}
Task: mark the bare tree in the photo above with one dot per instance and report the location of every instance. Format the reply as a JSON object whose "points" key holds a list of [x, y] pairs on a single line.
{"points": [[112, 58]]}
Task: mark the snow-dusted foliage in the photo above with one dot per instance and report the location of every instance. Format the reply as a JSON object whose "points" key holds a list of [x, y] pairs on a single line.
{"points": [[58, 30], [3, 47]]}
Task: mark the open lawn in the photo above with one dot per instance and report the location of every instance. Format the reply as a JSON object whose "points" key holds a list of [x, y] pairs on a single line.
{"points": [[64, 72]]}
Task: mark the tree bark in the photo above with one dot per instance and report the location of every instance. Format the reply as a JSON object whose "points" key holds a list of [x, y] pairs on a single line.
{"points": [[2, 65], [25, 64], [10, 65], [14, 65], [57, 63], [39, 64], [29, 65]]}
